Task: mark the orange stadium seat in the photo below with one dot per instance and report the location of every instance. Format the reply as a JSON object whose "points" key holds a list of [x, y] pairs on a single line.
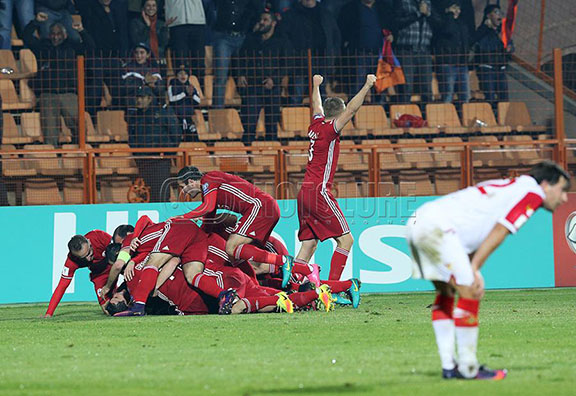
{"points": [[12, 166], [265, 158], [517, 116], [28, 62], [121, 163], [524, 154], [489, 155], [294, 122], [419, 157], [350, 158], [296, 160], [412, 109], [10, 99], [47, 164], [475, 115], [373, 119], [114, 191], [444, 117], [415, 183], [31, 127], [225, 122], [447, 181], [112, 123], [388, 156], [11, 134], [233, 161], [73, 191], [203, 132], [42, 192]]}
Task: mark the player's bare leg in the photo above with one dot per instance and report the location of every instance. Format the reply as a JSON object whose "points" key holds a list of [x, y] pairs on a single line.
{"points": [[302, 260], [239, 247], [340, 256], [146, 284]]}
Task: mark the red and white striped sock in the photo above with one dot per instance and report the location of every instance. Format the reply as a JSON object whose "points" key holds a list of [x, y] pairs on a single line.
{"points": [[254, 304], [251, 252], [338, 263], [207, 284], [466, 322], [337, 286], [443, 324], [146, 284], [301, 267]]}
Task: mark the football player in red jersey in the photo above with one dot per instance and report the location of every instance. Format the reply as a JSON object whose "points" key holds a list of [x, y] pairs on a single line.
{"points": [[87, 251], [318, 211], [260, 213]]}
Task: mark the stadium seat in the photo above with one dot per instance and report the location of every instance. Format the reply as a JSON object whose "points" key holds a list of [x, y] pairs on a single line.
{"points": [[350, 158], [388, 158], [72, 160], [233, 161], [121, 163], [42, 192], [489, 155], [30, 125], [93, 135], [198, 156], [7, 61], [418, 157], [112, 123], [226, 122], [15, 40], [231, 97], [115, 191], [415, 183], [483, 174], [475, 115], [10, 99], [517, 116], [47, 164], [11, 134], [386, 187], [12, 166], [261, 125], [348, 188], [447, 181], [297, 160], [28, 63], [265, 158], [373, 119], [203, 133], [524, 154], [452, 156], [294, 122], [27, 95], [444, 117], [73, 191], [412, 109]]}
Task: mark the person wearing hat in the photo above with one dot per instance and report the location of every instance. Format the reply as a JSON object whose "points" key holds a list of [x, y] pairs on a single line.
{"points": [[152, 124], [141, 71], [491, 57], [451, 50]]}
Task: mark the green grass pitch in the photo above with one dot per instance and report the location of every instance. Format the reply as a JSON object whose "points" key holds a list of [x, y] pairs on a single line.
{"points": [[386, 347]]}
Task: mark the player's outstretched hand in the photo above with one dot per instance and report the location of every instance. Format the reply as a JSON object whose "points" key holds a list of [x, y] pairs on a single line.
{"points": [[129, 271], [317, 79], [134, 244], [370, 80]]}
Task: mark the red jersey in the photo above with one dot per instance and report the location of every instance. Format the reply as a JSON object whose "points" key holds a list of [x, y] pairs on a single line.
{"points": [[184, 298], [99, 241], [323, 153]]}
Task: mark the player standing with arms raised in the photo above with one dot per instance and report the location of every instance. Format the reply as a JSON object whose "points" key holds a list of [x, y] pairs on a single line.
{"points": [[318, 211], [452, 237]]}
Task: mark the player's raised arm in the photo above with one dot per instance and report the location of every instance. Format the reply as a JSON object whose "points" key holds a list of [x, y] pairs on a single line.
{"points": [[354, 104], [316, 97]]}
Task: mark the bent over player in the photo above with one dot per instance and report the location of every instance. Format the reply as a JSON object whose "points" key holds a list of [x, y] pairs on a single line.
{"points": [[318, 211], [452, 237]]}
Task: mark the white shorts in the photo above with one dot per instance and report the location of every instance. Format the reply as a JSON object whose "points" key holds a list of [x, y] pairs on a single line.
{"points": [[437, 253]]}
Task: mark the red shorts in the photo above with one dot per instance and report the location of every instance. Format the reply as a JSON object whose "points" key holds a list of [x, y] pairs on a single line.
{"points": [[184, 240], [320, 215], [259, 223]]}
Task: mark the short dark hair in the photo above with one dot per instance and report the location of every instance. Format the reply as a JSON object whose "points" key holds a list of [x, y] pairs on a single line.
{"points": [[491, 7], [111, 252], [549, 171], [189, 172], [76, 242], [122, 231], [333, 107], [113, 309]]}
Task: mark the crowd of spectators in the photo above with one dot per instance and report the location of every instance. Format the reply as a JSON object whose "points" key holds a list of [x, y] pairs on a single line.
{"points": [[256, 42]]}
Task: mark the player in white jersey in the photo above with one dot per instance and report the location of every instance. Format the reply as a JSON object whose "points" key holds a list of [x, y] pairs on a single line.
{"points": [[452, 237]]}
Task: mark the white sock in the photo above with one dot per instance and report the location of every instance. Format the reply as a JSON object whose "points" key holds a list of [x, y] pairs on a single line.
{"points": [[444, 331], [467, 341]]}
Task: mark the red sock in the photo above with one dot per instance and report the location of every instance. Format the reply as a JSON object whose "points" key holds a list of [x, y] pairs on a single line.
{"points": [[338, 263], [338, 286], [254, 304], [467, 313], [207, 284], [301, 269], [251, 252], [443, 307], [304, 298], [146, 284]]}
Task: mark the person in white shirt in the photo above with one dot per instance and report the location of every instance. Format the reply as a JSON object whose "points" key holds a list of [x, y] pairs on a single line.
{"points": [[452, 237]]}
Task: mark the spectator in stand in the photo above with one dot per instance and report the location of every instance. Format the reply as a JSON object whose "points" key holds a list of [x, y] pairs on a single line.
{"points": [[491, 57], [154, 125], [150, 29], [55, 83], [187, 22], [234, 19], [361, 23], [183, 97], [414, 23], [141, 71], [107, 21], [451, 49], [261, 64], [58, 11], [310, 26], [25, 11]]}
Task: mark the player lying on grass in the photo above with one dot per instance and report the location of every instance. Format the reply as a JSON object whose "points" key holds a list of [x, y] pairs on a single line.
{"points": [[247, 295], [452, 237], [259, 211], [161, 242], [87, 251], [319, 214], [267, 273]]}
